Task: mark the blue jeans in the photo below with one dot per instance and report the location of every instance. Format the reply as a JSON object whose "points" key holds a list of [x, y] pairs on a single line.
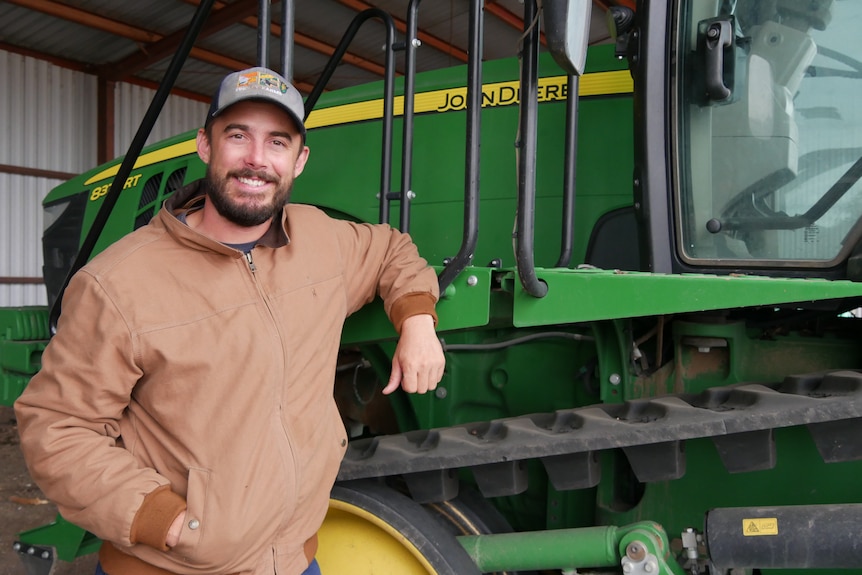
{"points": [[313, 569]]}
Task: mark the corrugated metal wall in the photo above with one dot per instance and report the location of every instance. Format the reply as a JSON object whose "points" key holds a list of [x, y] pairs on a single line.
{"points": [[48, 116], [48, 120], [131, 103]]}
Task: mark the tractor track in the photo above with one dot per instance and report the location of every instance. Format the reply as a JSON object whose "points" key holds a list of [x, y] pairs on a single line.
{"points": [[651, 432]]}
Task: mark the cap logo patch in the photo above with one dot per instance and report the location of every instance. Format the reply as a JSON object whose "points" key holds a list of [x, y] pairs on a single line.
{"points": [[261, 81]]}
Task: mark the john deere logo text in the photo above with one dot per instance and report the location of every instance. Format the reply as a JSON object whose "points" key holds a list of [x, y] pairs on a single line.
{"points": [[504, 94]]}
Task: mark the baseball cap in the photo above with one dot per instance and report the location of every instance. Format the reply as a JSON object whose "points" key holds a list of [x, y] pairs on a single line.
{"points": [[258, 84]]}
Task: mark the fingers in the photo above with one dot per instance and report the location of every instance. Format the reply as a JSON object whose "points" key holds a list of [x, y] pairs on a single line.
{"points": [[420, 377], [394, 377]]}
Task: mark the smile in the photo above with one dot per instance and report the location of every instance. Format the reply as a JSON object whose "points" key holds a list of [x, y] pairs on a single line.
{"points": [[254, 182]]}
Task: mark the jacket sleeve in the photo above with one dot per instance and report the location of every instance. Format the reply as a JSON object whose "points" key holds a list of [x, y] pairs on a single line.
{"points": [[380, 260], [68, 420]]}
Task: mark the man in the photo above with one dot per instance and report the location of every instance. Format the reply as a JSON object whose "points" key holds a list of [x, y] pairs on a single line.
{"points": [[184, 410]]}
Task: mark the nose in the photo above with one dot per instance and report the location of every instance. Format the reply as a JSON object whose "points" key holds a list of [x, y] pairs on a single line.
{"points": [[254, 155]]}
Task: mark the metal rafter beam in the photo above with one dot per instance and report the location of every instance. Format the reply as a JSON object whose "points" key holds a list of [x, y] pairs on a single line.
{"points": [[88, 19], [161, 49], [509, 18], [56, 60], [310, 43], [97, 22], [401, 25]]}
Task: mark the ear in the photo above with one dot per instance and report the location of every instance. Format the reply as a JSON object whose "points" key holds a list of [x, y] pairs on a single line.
{"points": [[203, 143], [300, 161]]}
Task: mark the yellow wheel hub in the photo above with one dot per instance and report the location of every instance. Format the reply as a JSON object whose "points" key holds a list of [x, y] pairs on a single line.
{"points": [[355, 541]]}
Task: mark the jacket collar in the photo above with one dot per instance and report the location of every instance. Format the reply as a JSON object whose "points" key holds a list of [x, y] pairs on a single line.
{"points": [[192, 197]]}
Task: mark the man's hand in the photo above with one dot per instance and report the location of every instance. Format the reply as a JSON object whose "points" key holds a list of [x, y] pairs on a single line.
{"points": [[175, 529], [418, 363]]}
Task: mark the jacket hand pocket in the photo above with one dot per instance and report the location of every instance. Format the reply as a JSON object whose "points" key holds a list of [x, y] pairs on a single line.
{"points": [[195, 523]]}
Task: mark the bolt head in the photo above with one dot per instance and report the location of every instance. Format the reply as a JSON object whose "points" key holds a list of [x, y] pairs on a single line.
{"points": [[636, 552]]}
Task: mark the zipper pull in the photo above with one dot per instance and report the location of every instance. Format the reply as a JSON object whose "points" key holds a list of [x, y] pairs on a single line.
{"points": [[250, 262]]}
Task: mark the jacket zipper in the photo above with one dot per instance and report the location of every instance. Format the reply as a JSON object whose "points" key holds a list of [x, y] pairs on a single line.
{"points": [[288, 439]]}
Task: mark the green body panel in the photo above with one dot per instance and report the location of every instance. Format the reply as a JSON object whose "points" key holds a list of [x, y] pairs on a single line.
{"points": [[438, 175]]}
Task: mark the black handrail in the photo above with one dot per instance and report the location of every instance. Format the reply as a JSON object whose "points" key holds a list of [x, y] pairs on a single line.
{"points": [[411, 44], [524, 235], [570, 159], [471, 174], [263, 20], [388, 93], [288, 16], [132, 154]]}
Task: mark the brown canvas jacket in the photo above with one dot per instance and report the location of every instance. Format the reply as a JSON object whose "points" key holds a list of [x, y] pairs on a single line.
{"points": [[180, 377]]}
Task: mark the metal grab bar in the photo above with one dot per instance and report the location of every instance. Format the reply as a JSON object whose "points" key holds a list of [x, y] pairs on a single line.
{"points": [[570, 158], [525, 232], [471, 174], [388, 93], [411, 44]]}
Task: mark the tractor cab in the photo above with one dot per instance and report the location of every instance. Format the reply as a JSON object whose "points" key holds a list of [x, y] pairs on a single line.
{"points": [[758, 118]]}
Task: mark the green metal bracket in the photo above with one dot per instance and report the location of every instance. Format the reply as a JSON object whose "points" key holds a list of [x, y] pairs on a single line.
{"points": [[590, 295], [613, 347], [645, 550], [639, 548], [69, 541], [465, 303]]}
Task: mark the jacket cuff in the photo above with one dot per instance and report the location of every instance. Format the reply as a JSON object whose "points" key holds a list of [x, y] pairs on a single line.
{"points": [[410, 305], [153, 520]]}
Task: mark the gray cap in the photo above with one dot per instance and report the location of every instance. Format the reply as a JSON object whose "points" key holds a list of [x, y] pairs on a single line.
{"points": [[259, 84]]}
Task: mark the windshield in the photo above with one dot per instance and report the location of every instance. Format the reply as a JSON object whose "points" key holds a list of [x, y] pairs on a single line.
{"points": [[769, 132]]}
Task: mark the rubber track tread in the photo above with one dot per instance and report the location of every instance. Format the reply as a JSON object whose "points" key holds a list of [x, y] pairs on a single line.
{"points": [[738, 409]]}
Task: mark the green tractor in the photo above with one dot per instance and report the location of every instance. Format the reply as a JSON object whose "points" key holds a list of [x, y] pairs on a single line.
{"points": [[650, 269]]}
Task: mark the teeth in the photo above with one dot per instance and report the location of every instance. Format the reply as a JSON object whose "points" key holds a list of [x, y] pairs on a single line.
{"points": [[251, 182]]}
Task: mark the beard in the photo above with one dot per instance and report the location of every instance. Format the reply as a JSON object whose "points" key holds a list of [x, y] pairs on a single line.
{"points": [[246, 214]]}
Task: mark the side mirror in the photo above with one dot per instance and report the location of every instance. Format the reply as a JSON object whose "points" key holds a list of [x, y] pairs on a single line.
{"points": [[567, 30]]}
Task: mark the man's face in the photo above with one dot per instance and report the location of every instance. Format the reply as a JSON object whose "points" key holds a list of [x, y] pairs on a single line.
{"points": [[253, 153]]}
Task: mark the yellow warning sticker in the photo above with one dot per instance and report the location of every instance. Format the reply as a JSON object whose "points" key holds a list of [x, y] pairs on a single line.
{"points": [[760, 526]]}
